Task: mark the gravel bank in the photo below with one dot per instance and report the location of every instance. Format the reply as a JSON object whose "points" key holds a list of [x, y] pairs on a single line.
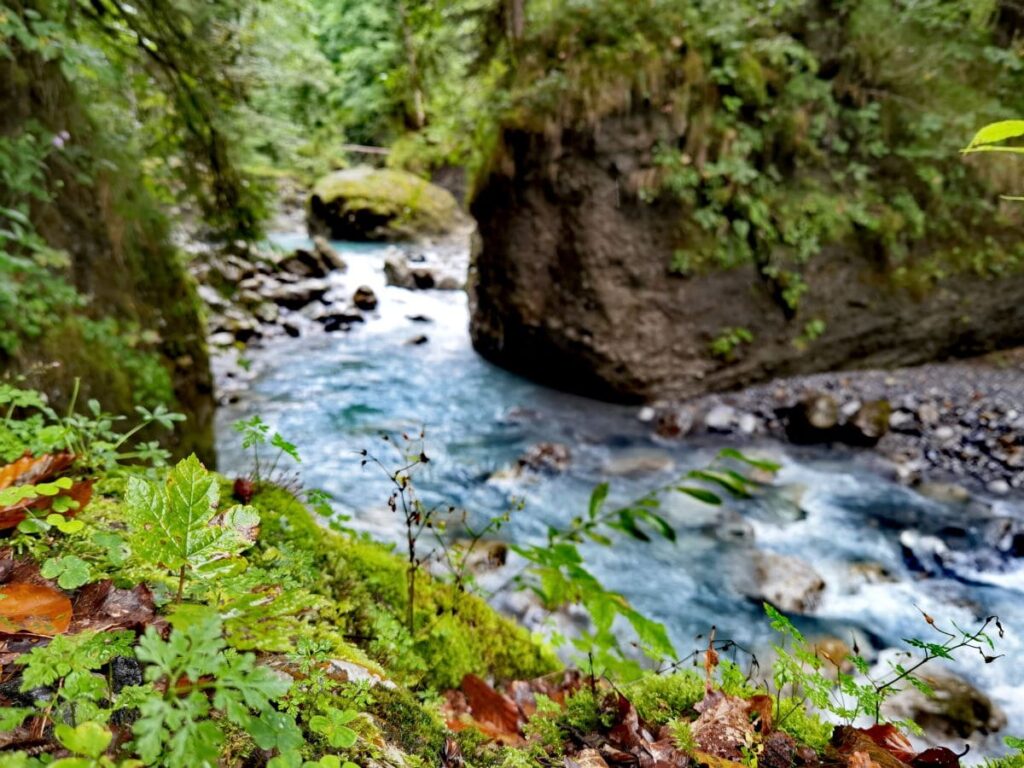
{"points": [[960, 420]]}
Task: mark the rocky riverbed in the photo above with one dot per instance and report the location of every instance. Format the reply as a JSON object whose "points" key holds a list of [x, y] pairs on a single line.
{"points": [[960, 421]]}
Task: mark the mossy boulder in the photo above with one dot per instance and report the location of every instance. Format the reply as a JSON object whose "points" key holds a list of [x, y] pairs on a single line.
{"points": [[372, 204]]}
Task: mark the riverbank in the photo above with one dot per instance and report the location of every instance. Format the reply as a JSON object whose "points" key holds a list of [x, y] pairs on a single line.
{"points": [[959, 421]]}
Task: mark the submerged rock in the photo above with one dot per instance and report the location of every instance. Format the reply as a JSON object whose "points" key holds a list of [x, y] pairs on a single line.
{"points": [[546, 457], [815, 419], [640, 462], [366, 203]]}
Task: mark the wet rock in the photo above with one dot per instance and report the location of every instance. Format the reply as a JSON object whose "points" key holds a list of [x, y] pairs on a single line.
{"points": [[423, 278], [418, 319], [303, 263], [721, 418], [267, 312], [636, 463], [866, 572], [291, 329], [748, 423], [944, 493], [835, 652], [299, 294], [221, 339], [417, 341], [449, 283], [364, 298], [212, 298], [397, 271], [339, 319], [958, 709], [329, 257], [814, 420], [546, 457], [788, 583], [999, 487]]}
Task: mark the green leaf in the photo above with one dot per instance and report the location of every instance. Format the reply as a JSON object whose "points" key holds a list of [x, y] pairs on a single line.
{"points": [[71, 572], [727, 480], [89, 739], [700, 494], [995, 133], [597, 498], [12, 717], [763, 464], [334, 727], [174, 524]]}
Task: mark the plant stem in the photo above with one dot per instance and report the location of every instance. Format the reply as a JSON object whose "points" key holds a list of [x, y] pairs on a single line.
{"points": [[181, 585]]}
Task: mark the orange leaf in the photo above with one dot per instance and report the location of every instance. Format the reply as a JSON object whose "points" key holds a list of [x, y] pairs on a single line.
{"points": [[892, 740], [29, 470], [491, 708], [33, 608]]}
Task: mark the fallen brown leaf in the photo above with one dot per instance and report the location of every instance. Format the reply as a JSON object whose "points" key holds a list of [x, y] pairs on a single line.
{"points": [[723, 726], [101, 606], [33, 608], [891, 739]]}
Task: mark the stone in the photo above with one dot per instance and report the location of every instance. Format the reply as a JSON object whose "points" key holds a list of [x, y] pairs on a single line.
{"points": [[417, 341], [788, 583], [928, 413], [901, 420], [944, 433], [720, 418], [748, 423], [211, 297], [958, 709], [297, 295], [364, 298], [999, 487], [397, 271], [423, 278], [815, 419], [329, 257], [222, 339], [868, 424], [418, 319], [267, 312], [365, 203], [637, 463], [945, 493], [546, 457], [449, 283]]}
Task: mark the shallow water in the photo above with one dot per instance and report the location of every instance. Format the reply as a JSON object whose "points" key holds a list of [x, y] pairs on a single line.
{"points": [[335, 394]]}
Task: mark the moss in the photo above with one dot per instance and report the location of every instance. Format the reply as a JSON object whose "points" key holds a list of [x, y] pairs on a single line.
{"points": [[660, 699], [457, 634], [369, 204]]}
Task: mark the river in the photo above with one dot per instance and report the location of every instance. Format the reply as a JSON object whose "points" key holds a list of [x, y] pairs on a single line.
{"points": [[335, 394]]}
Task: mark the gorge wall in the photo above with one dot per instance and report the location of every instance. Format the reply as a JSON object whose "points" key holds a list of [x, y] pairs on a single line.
{"points": [[572, 286]]}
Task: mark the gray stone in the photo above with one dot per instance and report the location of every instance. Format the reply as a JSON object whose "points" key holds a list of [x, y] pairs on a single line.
{"points": [[721, 418]]}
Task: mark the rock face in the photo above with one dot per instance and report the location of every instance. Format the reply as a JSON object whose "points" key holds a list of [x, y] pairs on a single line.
{"points": [[371, 204], [572, 286]]}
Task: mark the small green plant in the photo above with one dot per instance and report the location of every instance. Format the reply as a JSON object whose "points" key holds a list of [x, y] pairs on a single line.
{"points": [[256, 434], [813, 330], [682, 735], [176, 524], [190, 675], [726, 345], [798, 671]]}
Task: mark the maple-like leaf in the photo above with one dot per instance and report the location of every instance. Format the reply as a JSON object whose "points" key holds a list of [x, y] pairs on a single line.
{"points": [[176, 524]]}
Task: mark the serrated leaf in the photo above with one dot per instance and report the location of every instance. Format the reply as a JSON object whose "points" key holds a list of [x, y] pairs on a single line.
{"points": [[90, 739], [176, 524]]}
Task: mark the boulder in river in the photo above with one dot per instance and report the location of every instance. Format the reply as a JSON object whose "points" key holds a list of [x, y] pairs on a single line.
{"points": [[296, 295], [788, 583], [373, 204], [364, 298], [546, 457]]}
